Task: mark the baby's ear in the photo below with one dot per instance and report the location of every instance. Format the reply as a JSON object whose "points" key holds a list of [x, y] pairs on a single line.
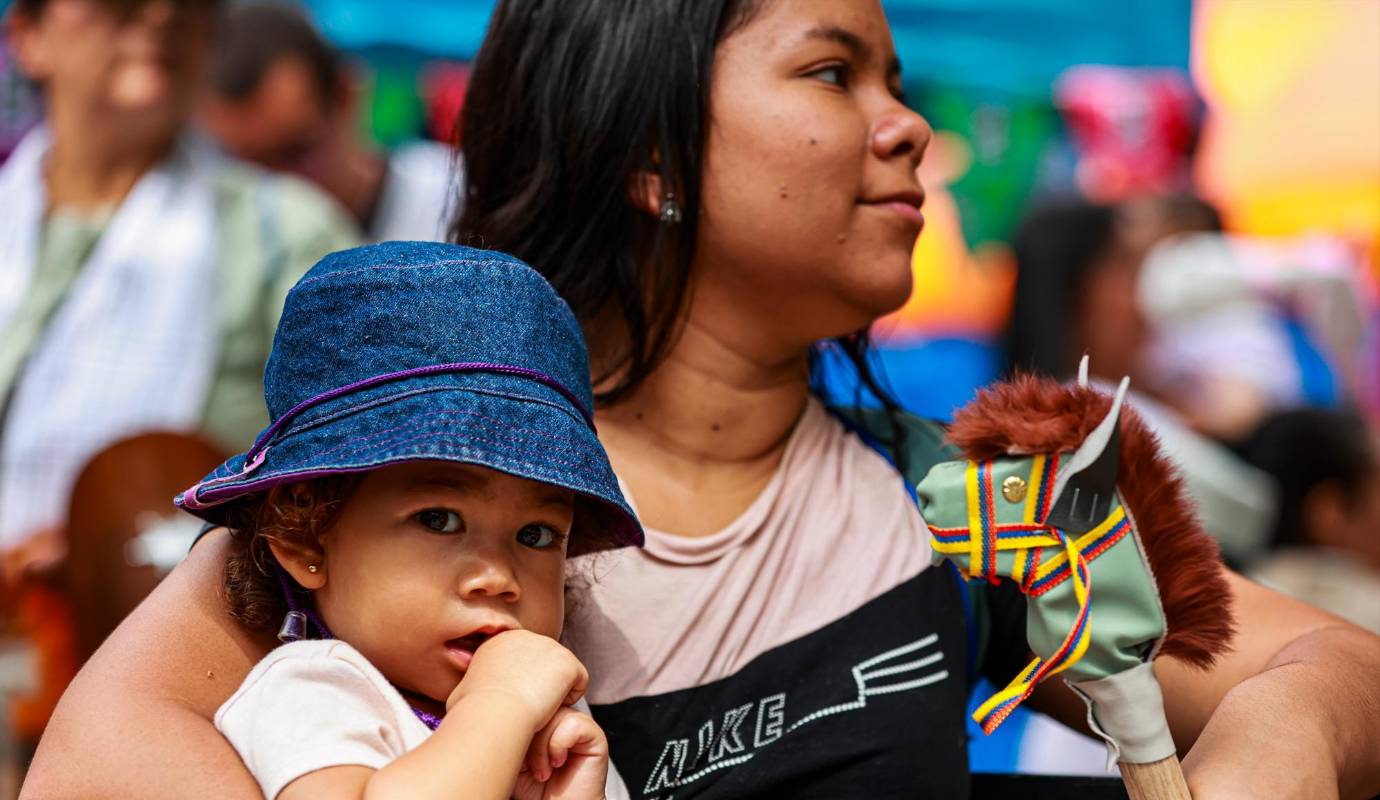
{"points": [[305, 563], [302, 556]]}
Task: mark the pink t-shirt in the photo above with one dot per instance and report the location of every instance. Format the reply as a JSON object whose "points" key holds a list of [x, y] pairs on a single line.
{"points": [[806, 649], [685, 611]]}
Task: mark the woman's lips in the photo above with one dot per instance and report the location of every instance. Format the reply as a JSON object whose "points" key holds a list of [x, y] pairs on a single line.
{"points": [[904, 204], [906, 210]]}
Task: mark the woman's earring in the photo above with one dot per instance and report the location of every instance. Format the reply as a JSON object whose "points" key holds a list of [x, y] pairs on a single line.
{"points": [[312, 568], [670, 211]]}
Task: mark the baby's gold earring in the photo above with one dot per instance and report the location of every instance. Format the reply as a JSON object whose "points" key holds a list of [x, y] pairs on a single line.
{"points": [[312, 568]]}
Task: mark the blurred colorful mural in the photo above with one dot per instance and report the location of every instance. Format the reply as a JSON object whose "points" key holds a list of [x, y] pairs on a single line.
{"points": [[1292, 145]]}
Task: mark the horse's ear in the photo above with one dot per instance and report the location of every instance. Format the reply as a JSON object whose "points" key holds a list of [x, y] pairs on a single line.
{"points": [[1092, 471]]}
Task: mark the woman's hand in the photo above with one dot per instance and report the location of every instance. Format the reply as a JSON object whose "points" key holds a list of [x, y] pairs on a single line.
{"points": [[568, 760], [535, 674], [1290, 712]]}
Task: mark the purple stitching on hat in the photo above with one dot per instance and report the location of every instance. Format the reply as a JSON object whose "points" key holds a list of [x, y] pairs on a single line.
{"points": [[479, 366], [273, 480], [339, 451], [256, 454], [189, 499], [390, 436]]}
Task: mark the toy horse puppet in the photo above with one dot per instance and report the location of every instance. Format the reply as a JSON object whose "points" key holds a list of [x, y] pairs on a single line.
{"points": [[1064, 491]]}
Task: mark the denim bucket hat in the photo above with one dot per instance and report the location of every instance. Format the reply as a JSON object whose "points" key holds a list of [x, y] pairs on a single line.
{"points": [[409, 351]]}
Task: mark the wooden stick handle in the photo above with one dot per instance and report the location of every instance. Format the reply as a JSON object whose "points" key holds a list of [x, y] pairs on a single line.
{"points": [[1159, 780]]}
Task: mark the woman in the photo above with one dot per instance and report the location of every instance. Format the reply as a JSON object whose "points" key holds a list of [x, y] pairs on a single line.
{"points": [[779, 580], [769, 138]]}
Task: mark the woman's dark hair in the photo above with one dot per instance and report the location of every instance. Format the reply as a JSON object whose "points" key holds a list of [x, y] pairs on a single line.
{"points": [[567, 103], [1055, 246], [293, 515]]}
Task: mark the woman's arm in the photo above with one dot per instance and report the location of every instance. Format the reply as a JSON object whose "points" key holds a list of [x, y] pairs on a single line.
{"points": [[1293, 711], [136, 722]]}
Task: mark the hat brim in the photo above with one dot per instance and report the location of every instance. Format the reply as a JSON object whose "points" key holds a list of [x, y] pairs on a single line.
{"points": [[504, 423]]}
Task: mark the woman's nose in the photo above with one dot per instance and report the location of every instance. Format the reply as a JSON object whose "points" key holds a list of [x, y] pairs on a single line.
{"points": [[490, 576], [901, 133]]}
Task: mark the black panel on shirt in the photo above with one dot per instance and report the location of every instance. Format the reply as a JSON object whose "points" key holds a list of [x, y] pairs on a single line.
{"points": [[871, 705]]}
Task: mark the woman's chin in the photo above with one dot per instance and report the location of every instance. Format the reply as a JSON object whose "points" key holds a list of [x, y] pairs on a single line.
{"points": [[882, 298], [861, 311]]}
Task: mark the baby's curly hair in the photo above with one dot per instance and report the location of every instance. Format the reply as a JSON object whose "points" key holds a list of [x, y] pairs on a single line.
{"points": [[291, 514]]}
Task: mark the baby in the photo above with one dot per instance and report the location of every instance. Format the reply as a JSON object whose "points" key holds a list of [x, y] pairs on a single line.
{"points": [[407, 515]]}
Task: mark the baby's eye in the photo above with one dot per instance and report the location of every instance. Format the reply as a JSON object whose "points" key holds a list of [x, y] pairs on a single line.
{"points": [[539, 536], [440, 520]]}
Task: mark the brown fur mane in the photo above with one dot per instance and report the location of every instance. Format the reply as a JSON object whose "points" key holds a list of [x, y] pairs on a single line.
{"points": [[1035, 415]]}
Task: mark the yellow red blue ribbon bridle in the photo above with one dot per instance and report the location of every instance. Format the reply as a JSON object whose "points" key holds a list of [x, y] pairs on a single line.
{"points": [[1044, 557]]}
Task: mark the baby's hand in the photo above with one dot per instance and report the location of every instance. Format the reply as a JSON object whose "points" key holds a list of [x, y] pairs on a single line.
{"points": [[534, 672], [568, 760]]}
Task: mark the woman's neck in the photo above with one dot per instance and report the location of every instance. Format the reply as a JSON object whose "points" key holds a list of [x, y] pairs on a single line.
{"points": [[702, 436], [88, 169]]}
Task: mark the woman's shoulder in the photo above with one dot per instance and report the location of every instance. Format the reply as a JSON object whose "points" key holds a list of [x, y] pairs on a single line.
{"points": [[910, 443], [163, 672]]}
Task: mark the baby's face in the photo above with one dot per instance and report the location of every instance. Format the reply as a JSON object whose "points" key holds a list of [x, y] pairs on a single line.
{"points": [[428, 559]]}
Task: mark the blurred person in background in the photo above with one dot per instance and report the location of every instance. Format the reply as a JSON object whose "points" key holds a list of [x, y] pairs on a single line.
{"points": [[1244, 328], [283, 98], [131, 254], [1325, 545], [1078, 269]]}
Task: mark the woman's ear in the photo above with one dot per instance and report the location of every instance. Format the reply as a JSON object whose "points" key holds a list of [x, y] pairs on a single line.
{"points": [[644, 190], [305, 563]]}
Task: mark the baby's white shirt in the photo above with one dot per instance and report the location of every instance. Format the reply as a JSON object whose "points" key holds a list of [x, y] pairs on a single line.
{"points": [[315, 704]]}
